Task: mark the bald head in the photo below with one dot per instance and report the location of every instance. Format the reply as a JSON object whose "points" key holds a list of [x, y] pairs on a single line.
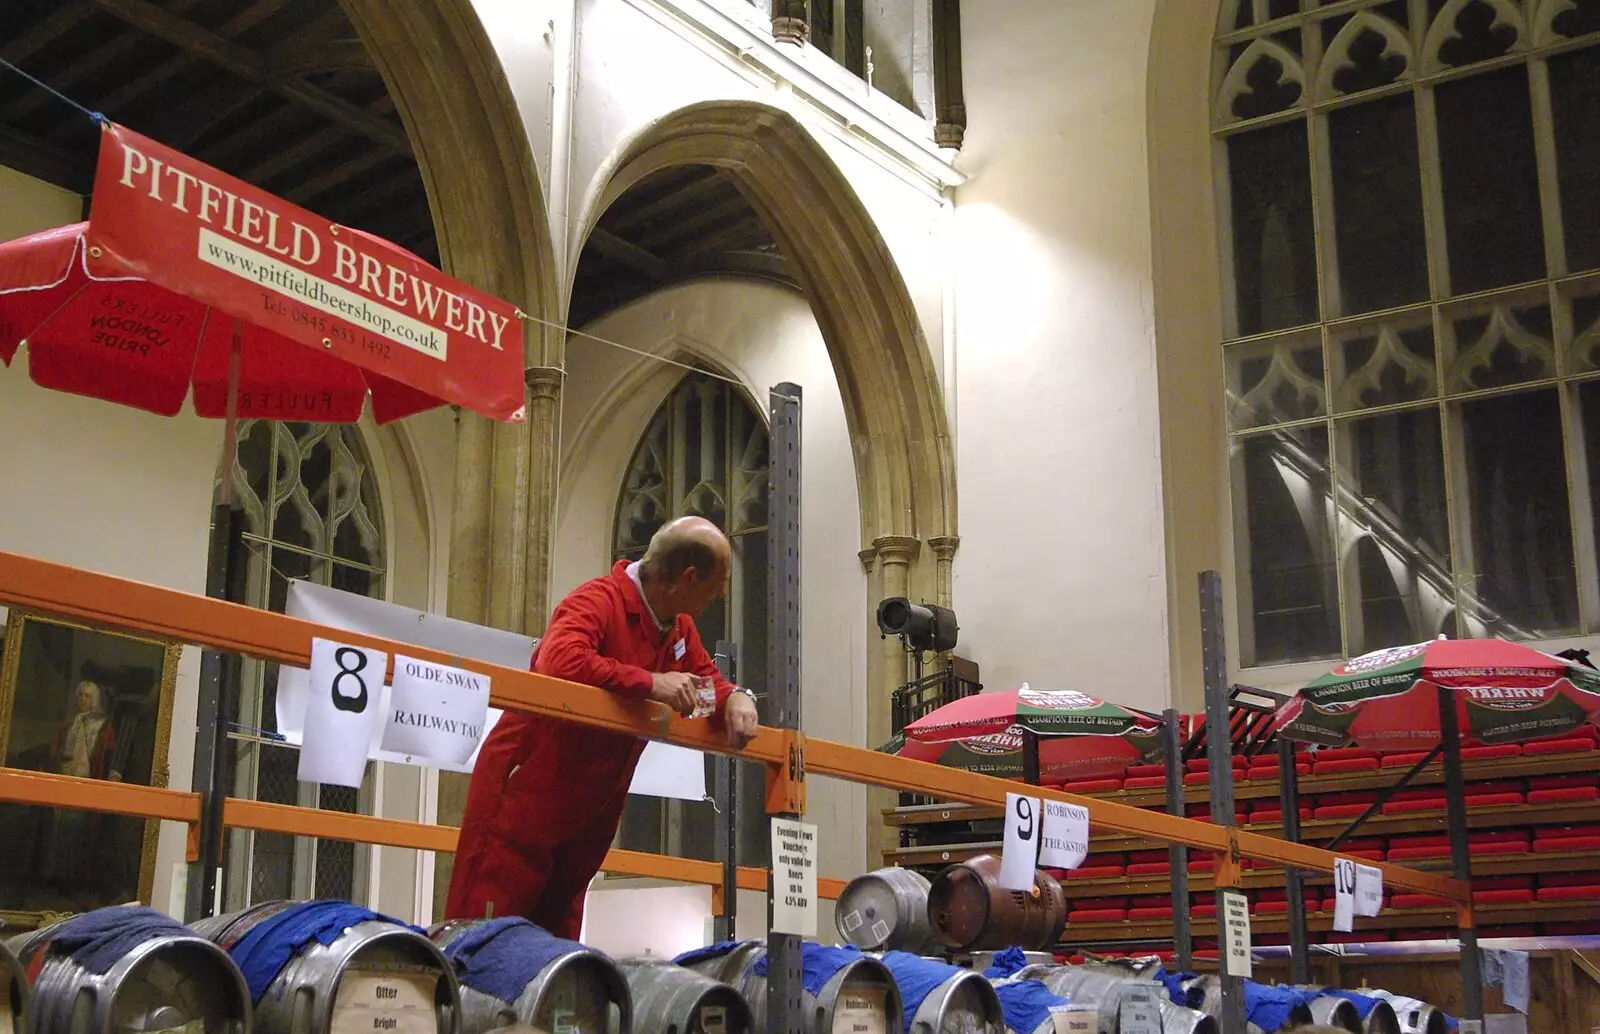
{"points": [[686, 566]]}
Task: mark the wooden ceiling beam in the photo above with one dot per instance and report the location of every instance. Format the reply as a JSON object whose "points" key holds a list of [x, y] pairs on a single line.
{"points": [[736, 234], [43, 160], [359, 202], [766, 265], [60, 21], [687, 231], [137, 87], [253, 67], [623, 218], [78, 71], [345, 55], [309, 147], [643, 262]]}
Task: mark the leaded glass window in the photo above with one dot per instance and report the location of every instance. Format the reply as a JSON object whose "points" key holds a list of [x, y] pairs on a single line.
{"points": [[1410, 196], [310, 511], [704, 454]]}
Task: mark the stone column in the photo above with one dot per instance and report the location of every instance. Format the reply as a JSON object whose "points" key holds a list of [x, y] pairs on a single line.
{"points": [[544, 462], [944, 551], [891, 561]]}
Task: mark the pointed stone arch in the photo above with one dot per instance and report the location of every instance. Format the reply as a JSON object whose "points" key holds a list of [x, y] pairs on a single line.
{"points": [[905, 463]]}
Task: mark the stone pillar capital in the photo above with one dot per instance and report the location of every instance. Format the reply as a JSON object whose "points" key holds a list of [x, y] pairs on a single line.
{"points": [[544, 381], [945, 546], [896, 549], [868, 558]]}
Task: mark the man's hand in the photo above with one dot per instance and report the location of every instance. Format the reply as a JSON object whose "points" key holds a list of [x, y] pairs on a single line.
{"points": [[739, 715], [675, 689]]}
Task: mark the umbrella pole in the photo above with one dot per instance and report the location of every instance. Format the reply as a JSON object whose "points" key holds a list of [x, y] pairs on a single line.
{"points": [[218, 671], [1460, 855], [1030, 757]]}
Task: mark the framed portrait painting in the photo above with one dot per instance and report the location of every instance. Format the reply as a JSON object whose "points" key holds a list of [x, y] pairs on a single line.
{"points": [[82, 702]]}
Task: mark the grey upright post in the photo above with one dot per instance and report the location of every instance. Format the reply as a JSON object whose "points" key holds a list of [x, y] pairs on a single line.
{"points": [[1177, 854], [725, 798], [1455, 803], [1219, 753], [785, 1009]]}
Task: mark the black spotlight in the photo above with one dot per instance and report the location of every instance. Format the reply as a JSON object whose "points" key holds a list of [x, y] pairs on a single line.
{"points": [[922, 625]]}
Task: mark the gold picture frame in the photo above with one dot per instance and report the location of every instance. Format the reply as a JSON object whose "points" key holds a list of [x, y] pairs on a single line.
{"points": [[83, 701]]}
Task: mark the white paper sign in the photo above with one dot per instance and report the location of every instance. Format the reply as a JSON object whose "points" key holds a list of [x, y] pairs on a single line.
{"points": [[1139, 1012], [668, 770], [343, 712], [436, 712], [1344, 890], [794, 878], [1065, 841], [1068, 1019], [1505, 1023], [861, 1010], [1369, 890], [1514, 983], [1019, 851], [1236, 933], [398, 1002]]}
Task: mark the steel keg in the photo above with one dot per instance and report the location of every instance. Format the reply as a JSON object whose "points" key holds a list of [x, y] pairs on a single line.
{"points": [[1106, 987], [963, 1002], [730, 966], [1413, 1016], [1210, 989], [13, 993], [982, 960], [1382, 1020], [579, 991], [1336, 1012], [886, 910], [861, 998], [969, 911], [671, 999], [376, 972], [170, 981]]}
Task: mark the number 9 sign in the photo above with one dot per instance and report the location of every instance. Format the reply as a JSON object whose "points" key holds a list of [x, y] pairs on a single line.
{"points": [[343, 712], [1020, 849]]}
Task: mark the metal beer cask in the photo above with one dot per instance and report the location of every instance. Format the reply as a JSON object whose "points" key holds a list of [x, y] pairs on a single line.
{"points": [[861, 998], [13, 992], [886, 910], [170, 982], [1382, 1020], [1336, 1012], [579, 992], [672, 999], [729, 967], [1415, 1017], [1211, 988], [964, 1004], [375, 971], [1104, 988], [969, 912]]}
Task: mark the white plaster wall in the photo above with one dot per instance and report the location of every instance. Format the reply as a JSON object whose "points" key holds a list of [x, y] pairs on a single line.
{"points": [[1060, 581], [128, 493], [761, 334]]}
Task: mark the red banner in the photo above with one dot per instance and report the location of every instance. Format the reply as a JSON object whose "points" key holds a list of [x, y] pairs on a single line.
{"points": [[162, 215]]}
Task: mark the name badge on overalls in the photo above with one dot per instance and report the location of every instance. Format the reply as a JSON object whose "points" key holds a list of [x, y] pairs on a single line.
{"points": [[678, 649]]}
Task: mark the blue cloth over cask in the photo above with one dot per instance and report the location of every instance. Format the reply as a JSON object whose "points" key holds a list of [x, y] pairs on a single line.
{"points": [[1027, 1004], [710, 951], [1007, 963], [501, 957], [269, 945], [916, 977], [818, 964], [96, 940], [1270, 1007]]}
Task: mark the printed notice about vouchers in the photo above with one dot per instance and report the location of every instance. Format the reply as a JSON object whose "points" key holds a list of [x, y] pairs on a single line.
{"points": [[794, 878]]}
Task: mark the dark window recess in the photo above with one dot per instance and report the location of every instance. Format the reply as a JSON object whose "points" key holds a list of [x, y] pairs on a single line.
{"points": [[1478, 37], [1491, 183], [1293, 587], [1268, 90], [1274, 251], [1575, 103], [1578, 21], [1377, 193], [1518, 518]]}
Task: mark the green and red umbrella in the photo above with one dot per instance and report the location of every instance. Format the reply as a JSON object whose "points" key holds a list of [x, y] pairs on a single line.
{"points": [[1389, 700], [1080, 736]]}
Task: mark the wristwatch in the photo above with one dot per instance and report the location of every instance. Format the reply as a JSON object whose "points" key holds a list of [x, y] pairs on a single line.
{"points": [[747, 692]]}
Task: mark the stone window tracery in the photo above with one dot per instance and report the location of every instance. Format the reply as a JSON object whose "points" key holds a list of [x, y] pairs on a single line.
{"points": [[1409, 199], [310, 508]]}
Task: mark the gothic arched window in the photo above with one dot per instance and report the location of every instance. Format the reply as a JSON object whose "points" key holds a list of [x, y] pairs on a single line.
{"points": [[704, 454], [310, 510], [1410, 222]]}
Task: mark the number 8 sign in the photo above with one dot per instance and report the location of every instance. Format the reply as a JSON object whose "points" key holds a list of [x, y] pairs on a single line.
{"points": [[343, 710]]}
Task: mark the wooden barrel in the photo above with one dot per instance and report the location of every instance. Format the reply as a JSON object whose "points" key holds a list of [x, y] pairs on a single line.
{"points": [[581, 991], [1336, 1012], [173, 981], [375, 972], [670, 999], [861, 998], [13, 993], [969, 912], [1415, 1017], [886, 910], [1105, 989]]}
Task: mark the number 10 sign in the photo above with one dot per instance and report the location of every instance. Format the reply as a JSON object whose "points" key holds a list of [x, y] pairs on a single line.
{"points": [[343, 710]]}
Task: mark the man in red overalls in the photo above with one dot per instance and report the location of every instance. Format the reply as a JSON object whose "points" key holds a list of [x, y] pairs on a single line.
{"points": [[546, 796]]}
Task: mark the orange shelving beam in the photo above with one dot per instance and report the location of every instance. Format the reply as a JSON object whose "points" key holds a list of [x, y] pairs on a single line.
{"points": [[117, 603]]}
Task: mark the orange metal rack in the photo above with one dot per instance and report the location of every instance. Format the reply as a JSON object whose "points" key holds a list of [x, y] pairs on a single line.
{"points": [[122, 605]]}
